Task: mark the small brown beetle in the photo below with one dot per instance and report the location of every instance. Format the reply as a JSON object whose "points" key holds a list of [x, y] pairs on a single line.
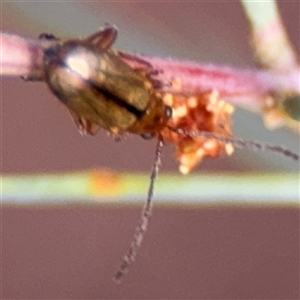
{"points": [[101, 90]]}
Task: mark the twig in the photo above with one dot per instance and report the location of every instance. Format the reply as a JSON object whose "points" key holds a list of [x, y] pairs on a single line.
{"points": [[21, 56], [107, 188], [269, 38], [24, 57], [244, 87], [274, 52]]}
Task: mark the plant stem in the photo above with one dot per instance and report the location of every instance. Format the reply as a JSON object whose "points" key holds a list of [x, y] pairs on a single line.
{"points": [[105, 187], [269, 38]]}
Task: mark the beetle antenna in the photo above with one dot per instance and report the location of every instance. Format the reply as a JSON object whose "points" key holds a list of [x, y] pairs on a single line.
{"points": [[239, 143], [146, 214]]}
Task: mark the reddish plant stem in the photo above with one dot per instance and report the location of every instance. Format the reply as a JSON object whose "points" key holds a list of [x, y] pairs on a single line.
{"points": [[241, 87], [24, 57]]}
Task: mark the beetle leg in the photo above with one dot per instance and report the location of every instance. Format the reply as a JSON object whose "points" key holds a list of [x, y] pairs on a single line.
{"points": [[137, 63], [104, 38], [145, 68], [84, 126], [48, 37]]}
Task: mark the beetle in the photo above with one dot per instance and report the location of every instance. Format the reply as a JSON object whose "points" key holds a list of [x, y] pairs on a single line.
{"points": [[102, 91]]}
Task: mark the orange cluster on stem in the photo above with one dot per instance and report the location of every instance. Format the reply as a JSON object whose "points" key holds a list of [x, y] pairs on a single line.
{"points": [[196, 113]]}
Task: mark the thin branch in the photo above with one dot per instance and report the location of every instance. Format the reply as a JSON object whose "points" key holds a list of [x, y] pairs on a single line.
{"points": [[276, 91], [273, 51], [269, 38], [244, 87], [24, 57], [107, 188]]}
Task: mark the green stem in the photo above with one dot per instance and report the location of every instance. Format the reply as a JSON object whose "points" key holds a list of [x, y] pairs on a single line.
{"points": [[104, 187]]}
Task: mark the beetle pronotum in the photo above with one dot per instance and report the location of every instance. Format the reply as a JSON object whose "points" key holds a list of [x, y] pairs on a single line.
{"points": [[102, 91]]}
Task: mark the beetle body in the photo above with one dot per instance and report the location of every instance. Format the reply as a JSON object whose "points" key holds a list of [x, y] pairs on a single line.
{"points": [[101, 90]]}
